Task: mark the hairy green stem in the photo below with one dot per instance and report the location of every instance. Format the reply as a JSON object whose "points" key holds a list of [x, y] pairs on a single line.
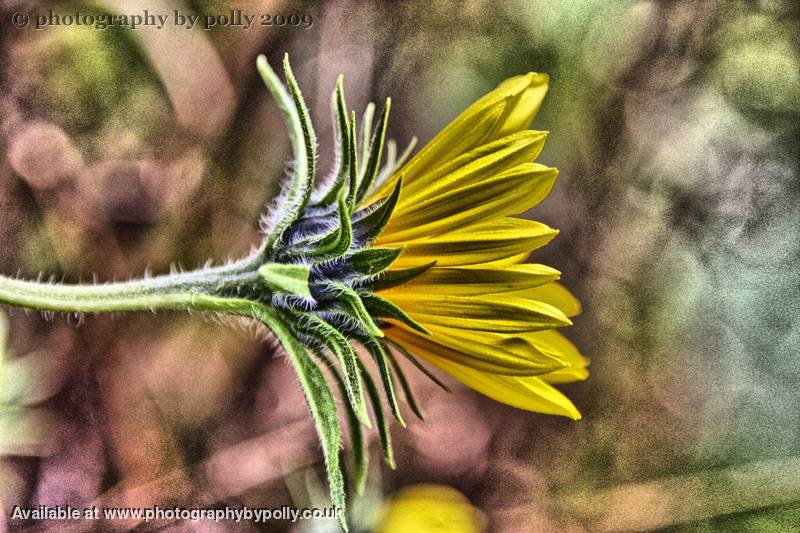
{"points": [[170, 291]]}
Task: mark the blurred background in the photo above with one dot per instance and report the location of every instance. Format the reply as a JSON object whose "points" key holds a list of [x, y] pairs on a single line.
{"points": [[675, 127]]}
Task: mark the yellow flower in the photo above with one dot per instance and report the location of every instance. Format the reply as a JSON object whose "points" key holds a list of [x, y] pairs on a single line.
{"points": [[430, 509], [491, 317]]}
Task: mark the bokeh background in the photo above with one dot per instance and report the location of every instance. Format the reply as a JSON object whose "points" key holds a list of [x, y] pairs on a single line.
{"points": [[675, 127]]}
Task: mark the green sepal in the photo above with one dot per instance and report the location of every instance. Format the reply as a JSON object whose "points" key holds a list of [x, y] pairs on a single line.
{"points": [[342, 142], [319, 399], [404, 384], [302, 178], [378, 354], [369, 227], [382, 308], [371, 261], [286, 278], [393, 278], [419, 365], [330, 337], [332, 245], [360, 453], [372, 164], [356, 307], [380, 418]]}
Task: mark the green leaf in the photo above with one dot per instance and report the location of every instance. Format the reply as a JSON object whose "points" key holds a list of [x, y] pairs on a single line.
{"points": [[368, 227], [372, 165], [287, 278], [360, 453], [319, 398], [371, 261], [405, 385], [378, 354], [380, 417], [350, 299], [302, 179], [348, 361], [393, 278], [382, 308]]}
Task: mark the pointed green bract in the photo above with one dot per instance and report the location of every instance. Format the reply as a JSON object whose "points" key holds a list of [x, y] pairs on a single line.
{"points": [[342, 130], [405, 353], [382, 308], [380, 417], [352, 184], [354, 304], [404, 384], [371, 261], [357, 440], [378, 354], [393, 278], [330, 337], [309, 137], [373, 156], [370, 225], [286, 278]]}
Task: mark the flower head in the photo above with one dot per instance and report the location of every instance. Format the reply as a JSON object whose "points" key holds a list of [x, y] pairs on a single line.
{"points": [[422, 259]]}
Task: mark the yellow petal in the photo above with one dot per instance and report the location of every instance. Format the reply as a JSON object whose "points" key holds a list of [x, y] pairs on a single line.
{"points": [[554, 294], [531, 393], [495, 353], [474, 280], [475, 165], [478, 243], [495, 312], [527, 104], [508, 193], [507, 109], [554, 343], [508, 261]]}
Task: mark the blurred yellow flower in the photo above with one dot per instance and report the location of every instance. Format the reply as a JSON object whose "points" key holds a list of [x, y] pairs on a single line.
{"points": [[430, 509], [491, 317]]}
